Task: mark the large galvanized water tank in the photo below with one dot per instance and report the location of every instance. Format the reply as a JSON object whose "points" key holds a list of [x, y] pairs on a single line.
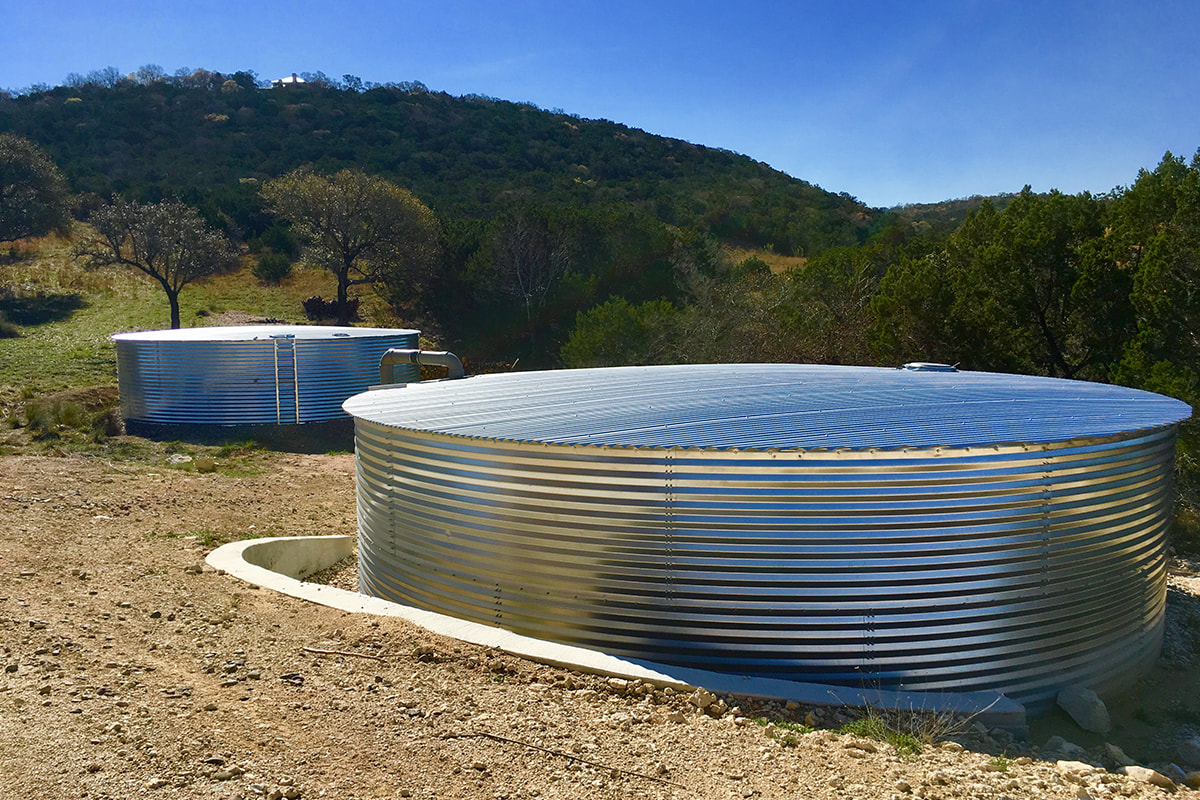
{"points": [[923, 530], [250, 374]]}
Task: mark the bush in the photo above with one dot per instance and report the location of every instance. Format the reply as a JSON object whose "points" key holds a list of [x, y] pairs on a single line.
{"points": [[272, 267], [278, 239], [48, 418], [318, 308], [89, 410], [7, 329]]}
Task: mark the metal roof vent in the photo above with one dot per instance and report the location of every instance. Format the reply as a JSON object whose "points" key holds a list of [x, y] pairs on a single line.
{"points": [[249, 374], [928, 366], [899, 529]]}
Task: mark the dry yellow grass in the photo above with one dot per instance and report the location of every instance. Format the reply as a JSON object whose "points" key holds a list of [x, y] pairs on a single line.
{"points": [[778, 264]]}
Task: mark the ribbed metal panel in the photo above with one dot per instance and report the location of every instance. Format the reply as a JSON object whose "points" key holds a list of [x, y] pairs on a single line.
{"points": [[250, 375], [1018, 566]]}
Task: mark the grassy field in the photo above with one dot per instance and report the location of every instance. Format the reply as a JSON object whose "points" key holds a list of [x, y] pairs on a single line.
{"points": [[66, 314]]}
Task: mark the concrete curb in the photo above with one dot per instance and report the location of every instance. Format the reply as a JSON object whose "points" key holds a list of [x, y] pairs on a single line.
{"points": [[281, 564]]}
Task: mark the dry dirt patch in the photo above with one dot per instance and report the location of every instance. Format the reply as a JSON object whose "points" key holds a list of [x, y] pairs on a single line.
{"points": [[131, 670]]}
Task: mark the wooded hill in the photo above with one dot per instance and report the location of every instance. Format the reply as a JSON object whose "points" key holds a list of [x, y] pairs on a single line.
{"points": [[209, 138], [572, 242]]}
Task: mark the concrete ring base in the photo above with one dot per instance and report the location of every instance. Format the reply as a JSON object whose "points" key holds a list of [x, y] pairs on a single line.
{"points": [[281, 564]]}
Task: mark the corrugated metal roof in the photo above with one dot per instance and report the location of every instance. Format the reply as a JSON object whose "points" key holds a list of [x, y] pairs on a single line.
{"points": [[243, 333], [763, 406]]}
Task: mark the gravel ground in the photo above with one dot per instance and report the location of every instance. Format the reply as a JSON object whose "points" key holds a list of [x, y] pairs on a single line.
{"points": [[132, 670]]}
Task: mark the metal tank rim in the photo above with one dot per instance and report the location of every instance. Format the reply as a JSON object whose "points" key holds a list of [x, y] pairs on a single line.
{"points": [[846, 453], [245, 333]]}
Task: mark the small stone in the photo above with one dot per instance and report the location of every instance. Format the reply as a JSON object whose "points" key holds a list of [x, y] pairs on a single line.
{"points": [[1175, 773], [205, 465], [1189, 751], [1192, 780], [210, 706], [904, 787], [702, 698], [257, 788], [1074, 771], [406, 793], [1060, 746], [155, 614], [478, 765], [44, 689], [223, 775], [11, 667], [1086, 708], [292, 792], [1118, 755], [676, 717], [156, 783], [124, 604], [1147, 775], [860, 744], [193, 569], [811, 720], [618, 685]]}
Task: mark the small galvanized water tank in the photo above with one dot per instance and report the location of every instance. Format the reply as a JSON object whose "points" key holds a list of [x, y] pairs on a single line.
{"points": [[250, 374], [903, 529]]}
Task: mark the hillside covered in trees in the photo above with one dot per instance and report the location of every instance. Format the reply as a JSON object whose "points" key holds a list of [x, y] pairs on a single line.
{"points": [[560, 241], [207, 137], [603, 208]]}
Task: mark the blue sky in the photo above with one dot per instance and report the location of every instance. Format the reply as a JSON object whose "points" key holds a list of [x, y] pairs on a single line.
{"points": [[890, 102]]}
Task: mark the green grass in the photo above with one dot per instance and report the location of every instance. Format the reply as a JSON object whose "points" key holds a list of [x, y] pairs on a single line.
{"points": [[786, 731], [76, 350], [63, 360], [874, 727], [205, 536]]}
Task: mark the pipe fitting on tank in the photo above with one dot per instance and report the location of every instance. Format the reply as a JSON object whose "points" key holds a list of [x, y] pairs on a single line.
{"points": [[429, 358]]}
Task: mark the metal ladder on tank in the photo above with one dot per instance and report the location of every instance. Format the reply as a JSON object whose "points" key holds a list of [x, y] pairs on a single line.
{"points": [[287, 384]]}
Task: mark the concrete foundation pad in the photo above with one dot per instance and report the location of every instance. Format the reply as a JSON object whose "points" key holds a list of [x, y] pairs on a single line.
{"points": [[281, 564]]}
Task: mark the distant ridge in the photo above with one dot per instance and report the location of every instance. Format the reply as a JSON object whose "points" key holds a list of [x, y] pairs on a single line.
{"points": [[210, 138]]}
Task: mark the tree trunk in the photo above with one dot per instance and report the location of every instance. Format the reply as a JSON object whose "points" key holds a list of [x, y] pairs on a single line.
{"points": [[173, 297], [343, 306]]}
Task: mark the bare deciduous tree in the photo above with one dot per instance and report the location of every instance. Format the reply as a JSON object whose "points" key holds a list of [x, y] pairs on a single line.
{"points": [[167, 241]]}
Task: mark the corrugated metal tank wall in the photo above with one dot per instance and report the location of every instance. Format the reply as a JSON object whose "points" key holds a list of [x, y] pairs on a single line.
{"points": [[1020, 567], [250, 375]]}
